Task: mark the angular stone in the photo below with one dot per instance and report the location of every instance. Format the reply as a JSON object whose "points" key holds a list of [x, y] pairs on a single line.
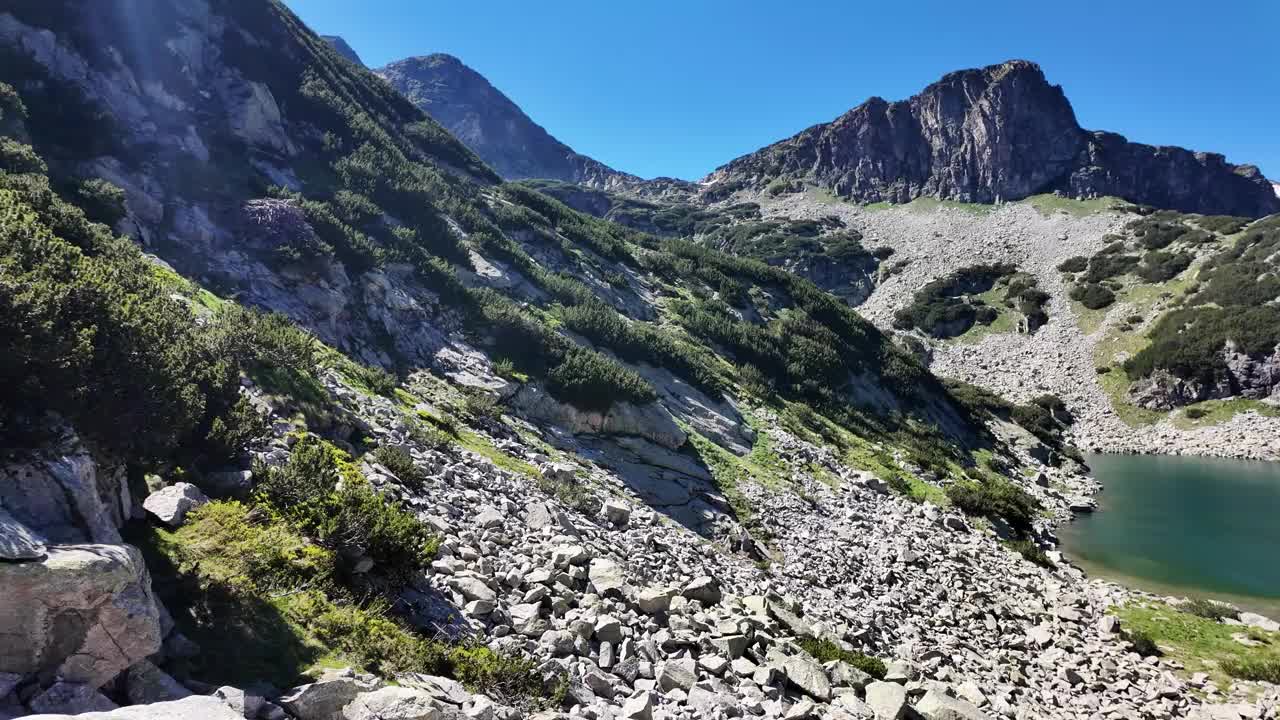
{"points": [[569, 555], [805, 673], [937, 706], [654, 600], [394, 703], [705, 590], [488, 517], [607, 577], [845, 675], [887, 700], [145, 683], [608, 629], [323, 700], [537, 516], [731, 646], [638, 706], [473, 589], [677, 674], [616, 513], [246, 705], [170, 505], [71, 698], [446, 690]]}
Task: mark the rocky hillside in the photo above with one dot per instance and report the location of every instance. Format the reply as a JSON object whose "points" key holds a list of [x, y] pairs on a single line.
{"points": [[344, 49], [985, 135], [307, 414], [478, 114]]}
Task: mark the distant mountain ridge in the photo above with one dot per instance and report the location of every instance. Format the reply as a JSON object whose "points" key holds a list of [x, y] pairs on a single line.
{"points": [[493, 126], [996, 133]]}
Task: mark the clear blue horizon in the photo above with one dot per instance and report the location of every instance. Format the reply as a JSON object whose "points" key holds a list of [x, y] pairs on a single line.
{"points": [[679, 88]]}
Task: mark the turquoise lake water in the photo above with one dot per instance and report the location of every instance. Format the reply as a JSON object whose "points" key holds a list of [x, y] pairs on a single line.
{"points": [[1184, 526]]}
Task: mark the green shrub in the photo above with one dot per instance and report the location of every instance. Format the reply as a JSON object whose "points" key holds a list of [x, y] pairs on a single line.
{"points": [[1105, 266], [1255, 669], [590, 381], [996, 499], [825, 651], [16, 157], [401, 464], [1223, 224], [1162, 266], [1208, 609], [1074, 264], [945, 307], [349, 517], [481, 406], [101, 201], [1032, 553], [1142, 643], [1092, 296], [1195, 413]]}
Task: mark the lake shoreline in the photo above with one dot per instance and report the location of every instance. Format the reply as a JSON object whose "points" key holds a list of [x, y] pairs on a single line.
{"points": [[1181, 526]]}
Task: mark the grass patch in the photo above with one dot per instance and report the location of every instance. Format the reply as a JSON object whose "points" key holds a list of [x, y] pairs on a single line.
{"points": [[1048, 204], [481, 446], [1216, 412], [1200, 644], [1031, 552], [825, 651]]}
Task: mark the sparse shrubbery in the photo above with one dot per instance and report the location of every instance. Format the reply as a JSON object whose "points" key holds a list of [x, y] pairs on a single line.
{"points": [[1208, 609], [1032, 553], [1074, 264], [401, 464], [995, 498], [1256, 669], [325, 497], [1092, 296], [825, 651], [1142, 643]]}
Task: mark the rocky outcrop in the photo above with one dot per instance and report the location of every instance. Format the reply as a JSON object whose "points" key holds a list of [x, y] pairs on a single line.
{"points": [[61, 494], [82, 614], [996, 133], [493, 126], [1240, 375], [650, 421]]}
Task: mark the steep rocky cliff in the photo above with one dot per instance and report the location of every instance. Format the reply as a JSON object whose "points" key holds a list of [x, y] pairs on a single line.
{"points": [[344, 49], [996, 133], [491, 124]]}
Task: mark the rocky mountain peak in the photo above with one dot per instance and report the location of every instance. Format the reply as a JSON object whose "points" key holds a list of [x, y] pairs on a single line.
{"points": [[996, 133], [343, 48], [493, 126]]}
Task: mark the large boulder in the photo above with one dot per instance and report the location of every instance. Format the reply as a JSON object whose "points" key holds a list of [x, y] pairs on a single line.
{"points": [[145, 683], [937, 706], [805, 673], [887, 700], [84, 611], [394, 703], [196, 707], [325, 699], [170, 505]]}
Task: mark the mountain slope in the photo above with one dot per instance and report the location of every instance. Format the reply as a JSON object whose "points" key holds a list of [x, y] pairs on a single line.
{"points": [[996, 133], [344, 49], [491, 124]]}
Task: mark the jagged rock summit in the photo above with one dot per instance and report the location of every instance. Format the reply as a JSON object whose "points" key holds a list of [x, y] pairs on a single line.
{"points": [[493, 126], [1001, 132], [344, 49]]}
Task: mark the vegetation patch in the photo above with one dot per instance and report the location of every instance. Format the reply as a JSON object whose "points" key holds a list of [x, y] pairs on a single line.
{"points": [[825, 651], [950, 306], [1201, 644]]}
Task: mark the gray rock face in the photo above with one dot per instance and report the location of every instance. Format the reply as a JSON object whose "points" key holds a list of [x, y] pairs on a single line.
{"points": [[17, 541], [196, 707], [84, 610], [805, 673], [491, 125], [61, 497], [1000, 132]]}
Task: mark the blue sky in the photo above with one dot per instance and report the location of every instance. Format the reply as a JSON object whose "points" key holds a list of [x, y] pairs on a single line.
{"points": [[677, 88]]}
